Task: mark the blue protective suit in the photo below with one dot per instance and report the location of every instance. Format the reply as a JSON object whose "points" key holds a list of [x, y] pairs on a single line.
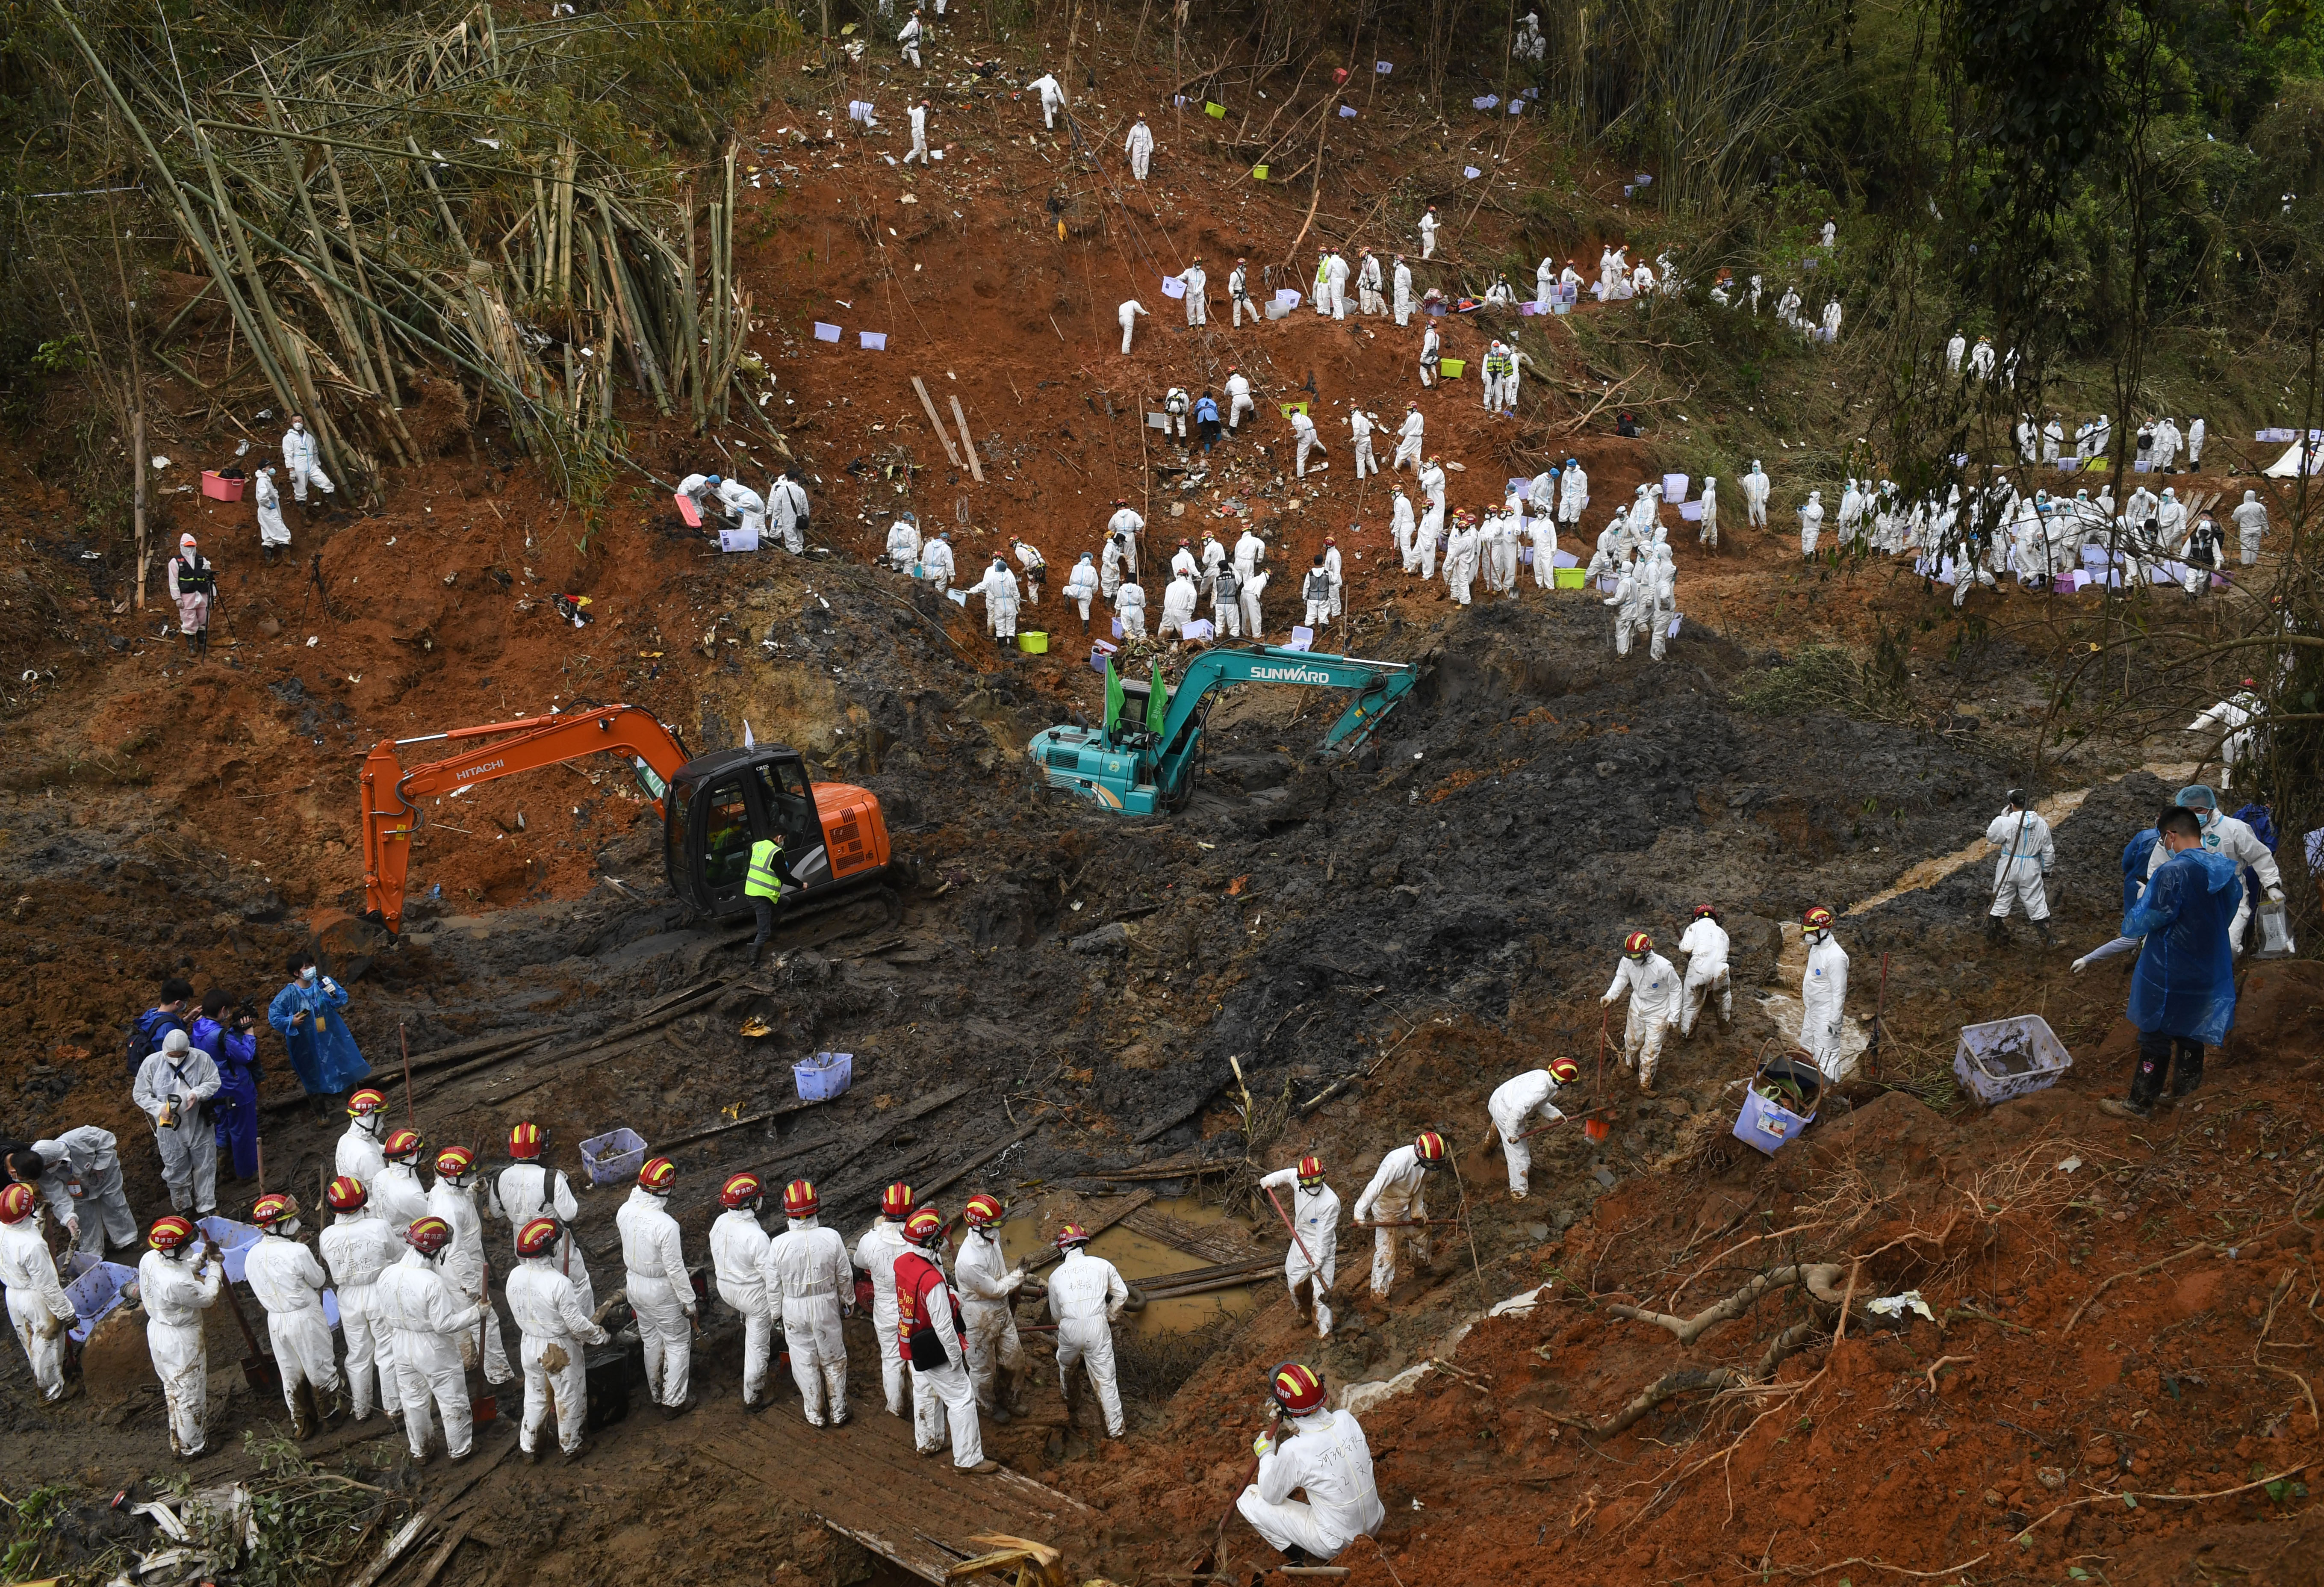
{"points": [[2185, 984], [233, 1112], [322, 1049], [2134, 855]]}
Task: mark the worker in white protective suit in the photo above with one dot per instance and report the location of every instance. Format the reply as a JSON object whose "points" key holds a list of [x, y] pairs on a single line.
{"points": [[1311, 1262], [1226, 601], [1332, 566], [302, 460], [1197, 282], [1036, 568], [876, 1252], [1462, 552], [1709, 532], [1824, 992], [1080, 587], [1395, 1207], [2228, 835], [427, 1319], [1114, 562], [903, 544], [1851, 511], [173, 1086], [1953, 351], [1428, 224], [1756, 486], [177, 1281], [738, 1254], [936, 562], [1653, 989], [1127, 525], [999, 589], [655, 1281], [1053, 99], [1400, 280], [1322, 1452], [1980, 359], [1368, 300], [273, 533], [1573, 495], [1239, 403], [1139, 147], [1239, 296], [1337, 269], [1178, 598], [1253, 588], [2021, 870], [2251, 524], [397, 1193], [1128, 314], [1405, 528], [919, 117], [357, 1153], [1359, 427], [1086, 1296], [1632, 601], [748, 507], [932, 1337], [908, 41], [78, 1173], [1811, 525], [1705, 945], [1129, 609], [1514, 1107], [453, 1198], [554, 1331], [1498, 538], [1407, 439], [1316, 590], [789, 508], [810, 1286], [529, 1189], [38, 1308], [2195, 435], [1427, 538], [1304, 439], [357, 1247], [1432, 353], [986, 1282], [288, 1282], [1500, 378], [1542, 530]]}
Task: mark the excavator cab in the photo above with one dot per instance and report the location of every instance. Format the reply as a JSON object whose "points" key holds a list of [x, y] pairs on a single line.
{"points": [[722, 803]]}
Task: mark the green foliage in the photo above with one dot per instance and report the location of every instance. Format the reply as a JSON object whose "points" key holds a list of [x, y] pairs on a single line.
{"points": [[60, 355], [1823, 679]]}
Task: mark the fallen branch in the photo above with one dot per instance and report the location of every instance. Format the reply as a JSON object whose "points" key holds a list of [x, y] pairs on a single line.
{"points": [[1684, 1380], [2288, 1471], [1819, 1279], [1940, 1364], [2132, 1273]]}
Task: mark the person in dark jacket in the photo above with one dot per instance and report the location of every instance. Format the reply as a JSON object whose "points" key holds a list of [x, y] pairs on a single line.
{"points": [[231, 1039], [145, 1033]]}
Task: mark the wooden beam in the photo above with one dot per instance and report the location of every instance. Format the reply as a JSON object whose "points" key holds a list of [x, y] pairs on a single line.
{"points": [[968, 446], [927, 404]]}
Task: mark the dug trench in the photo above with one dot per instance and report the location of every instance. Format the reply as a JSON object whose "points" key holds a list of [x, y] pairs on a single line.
{"points": [[1059, 1003]]}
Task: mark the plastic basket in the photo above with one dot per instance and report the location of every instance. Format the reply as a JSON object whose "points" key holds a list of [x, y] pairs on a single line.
{"points": [[219, 488], [824, 1076], [1571, 578], [234, 1242], [1033, 644], [1769, 1126], [615, 1156], [96, 1295], [1675, 487], [1450, 368], [2005, 1059], [1692, 512]]}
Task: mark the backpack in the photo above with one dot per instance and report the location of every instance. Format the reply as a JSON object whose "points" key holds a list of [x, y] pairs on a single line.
{"points": [[145, 1034]]}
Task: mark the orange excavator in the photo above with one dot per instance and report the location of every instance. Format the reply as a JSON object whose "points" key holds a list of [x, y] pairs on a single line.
{"points": [[712, 807]]}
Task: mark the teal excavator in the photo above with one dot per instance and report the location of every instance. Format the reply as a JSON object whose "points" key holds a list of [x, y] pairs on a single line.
{"points": [[1143, 759]]}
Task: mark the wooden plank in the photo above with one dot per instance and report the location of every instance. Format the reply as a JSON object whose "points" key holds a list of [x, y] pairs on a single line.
{"points": [[976, 1162], [1184, 1169], [1213, 1242], [1098, 1223], [929, 404], [966, 445]]}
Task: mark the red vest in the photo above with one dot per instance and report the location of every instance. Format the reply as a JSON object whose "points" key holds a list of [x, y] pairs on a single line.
{"points": [[916, 1278]]}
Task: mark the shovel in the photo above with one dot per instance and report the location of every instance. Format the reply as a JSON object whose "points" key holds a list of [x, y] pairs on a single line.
{"points": [[1553, 1123], [258, 1369]]}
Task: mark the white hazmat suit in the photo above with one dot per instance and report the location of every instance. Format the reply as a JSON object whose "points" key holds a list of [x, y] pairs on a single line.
{"points": [[1514, 1106]]}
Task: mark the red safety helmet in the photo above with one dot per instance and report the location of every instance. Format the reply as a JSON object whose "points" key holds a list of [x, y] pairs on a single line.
{"points": [[1072, 1235], [428, 1236], [537, 1238], [1429, 1147], [455, 1162], [171, 1234], [524, 1141], [1638, 945], [658, 1176], [799, 1200], [982, 1212], [742, 1190], [403, 1146], [1817, 919], [345, 1193], [896, 1201], [925, 1227], [17, 1203], [274, 1209], [1706, 911], [1565, 1071], [1311, 1170], [1297, 1388], [365, 1102]]}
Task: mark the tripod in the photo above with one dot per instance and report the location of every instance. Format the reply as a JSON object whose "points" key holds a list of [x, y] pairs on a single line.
{"points": [[316, 590]]}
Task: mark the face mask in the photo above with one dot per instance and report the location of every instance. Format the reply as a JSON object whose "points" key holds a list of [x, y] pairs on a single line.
{"points": [[308, 974]]}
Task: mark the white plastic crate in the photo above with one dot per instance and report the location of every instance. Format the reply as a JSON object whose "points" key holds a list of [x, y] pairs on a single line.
{"points": [[2005, 1059], [824, 1076], [613, 1157]]}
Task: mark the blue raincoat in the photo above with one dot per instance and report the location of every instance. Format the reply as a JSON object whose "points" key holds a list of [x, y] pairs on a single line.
{"points": [[2185, 984], [322, 1049], [2134, 855], [233, 1112]]}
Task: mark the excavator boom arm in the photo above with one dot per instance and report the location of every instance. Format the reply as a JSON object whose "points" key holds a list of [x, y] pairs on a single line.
{"points": [[390, 814], [1377, 685]]}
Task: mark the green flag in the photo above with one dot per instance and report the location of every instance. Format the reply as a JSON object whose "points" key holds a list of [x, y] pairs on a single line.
{"points": [[1112, 700], [1158, 704]]}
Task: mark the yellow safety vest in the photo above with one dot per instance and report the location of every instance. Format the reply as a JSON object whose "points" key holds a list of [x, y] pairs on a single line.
{"points": [[761, 882]]}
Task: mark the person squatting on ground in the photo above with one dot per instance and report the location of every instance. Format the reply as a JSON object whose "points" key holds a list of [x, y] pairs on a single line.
{"points": [[453, 1198], [738, 1254], [1323, 1451], [1086, 1295], [1654, 988], [172, 1087], [427, 1319], [289, 1283], [2022, 869], [177, 1281], [1311, 1264], [357, 1247], [655, 1281], [876, 1253], [1705, 945], [554, 1331], [79, 1175], [38, 1308], [984, 1282], [529, 1189], [930, 1337], [1515, 1104], [2182, 990], [1395, 1205], [809, 1287]]}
